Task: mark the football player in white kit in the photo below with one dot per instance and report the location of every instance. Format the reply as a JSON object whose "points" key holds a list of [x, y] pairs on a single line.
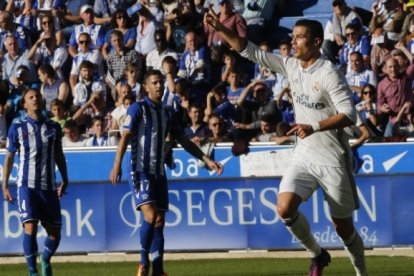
{"points": [[323, 107]]}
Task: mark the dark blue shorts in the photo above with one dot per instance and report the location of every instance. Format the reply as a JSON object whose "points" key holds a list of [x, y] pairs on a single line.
{"points": [[38, 205], [148, 188]]}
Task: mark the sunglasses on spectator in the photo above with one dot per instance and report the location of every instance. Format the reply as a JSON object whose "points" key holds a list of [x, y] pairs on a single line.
{"points": [[368, 92], [350, 34], [46, 23], [216, 124], [120, 16], [83, 42]]}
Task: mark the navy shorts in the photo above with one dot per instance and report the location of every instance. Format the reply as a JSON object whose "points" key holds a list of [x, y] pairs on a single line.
{"points": [[149, 188], [39, 205]]}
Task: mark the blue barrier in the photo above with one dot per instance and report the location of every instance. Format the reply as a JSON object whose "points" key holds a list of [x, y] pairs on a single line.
{"points": [[231, 211]]}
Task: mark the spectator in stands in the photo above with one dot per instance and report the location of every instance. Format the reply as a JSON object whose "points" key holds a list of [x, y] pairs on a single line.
{"points": [[41, 9], [15, 57], [86, 53], [234, 89], [52, 87], [58, 112], [259, 15], [100, 137], [229, 60], [86, 86], [176, 30], [381, 47], [267, 129], [132, 76], [217, 131], [46, 50], [228, 18], [169, 70], [122, 22], [181, 101], [118, 115], [105, 9], [146, 28], [408, 23], [68, 14], [9, 28], [256, 100], [194, 65], [390, 19], [119, 58], [217, 63], [95, 31], [123, 89], [155, 57], [218, 104], [197, 130], [95, 106], [402, 55], [394, 91], [342, 17], [369, 113], [354, 43], [359, 75], [48, 25], [4, 94], [73, 137], [282, 137]]}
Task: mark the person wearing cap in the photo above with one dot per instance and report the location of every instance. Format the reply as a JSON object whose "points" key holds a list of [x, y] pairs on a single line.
{"points": [[390, 18], [38, 192], [95, 31], [228, 18]]}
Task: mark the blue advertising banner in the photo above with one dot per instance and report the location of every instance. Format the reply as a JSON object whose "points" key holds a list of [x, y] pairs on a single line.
{"points": [[233, 211]]}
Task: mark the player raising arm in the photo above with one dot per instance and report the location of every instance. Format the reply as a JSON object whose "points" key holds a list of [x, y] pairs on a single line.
{"points": [[323, 107]]}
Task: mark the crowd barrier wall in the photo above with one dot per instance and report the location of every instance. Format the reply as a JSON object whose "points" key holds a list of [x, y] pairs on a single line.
{"points": [[232, 211]]}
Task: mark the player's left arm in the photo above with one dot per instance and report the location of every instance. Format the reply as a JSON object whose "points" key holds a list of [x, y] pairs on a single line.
{"points": [[195, 151], [61, 163], [344, 113]]}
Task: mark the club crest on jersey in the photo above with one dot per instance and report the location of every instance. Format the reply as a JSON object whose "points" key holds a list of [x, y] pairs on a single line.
{"points": [[316, 86]]}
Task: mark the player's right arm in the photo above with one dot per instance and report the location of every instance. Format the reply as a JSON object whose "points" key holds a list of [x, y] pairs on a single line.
{"points": [[122, 147], [7, 167]]}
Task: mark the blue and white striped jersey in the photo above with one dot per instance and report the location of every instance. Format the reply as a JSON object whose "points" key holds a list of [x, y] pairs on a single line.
{"points": [[150, 125], [35, 142]]}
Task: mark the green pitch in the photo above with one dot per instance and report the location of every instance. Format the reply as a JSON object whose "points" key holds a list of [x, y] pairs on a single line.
{"points": [[384, 266]]}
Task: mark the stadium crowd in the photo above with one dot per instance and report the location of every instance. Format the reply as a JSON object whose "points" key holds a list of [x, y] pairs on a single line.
{"points": [[88, 59]]}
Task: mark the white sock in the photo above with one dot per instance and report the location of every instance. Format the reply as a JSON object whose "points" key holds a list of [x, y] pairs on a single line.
{"points": [[354, 246], [300, 229]]}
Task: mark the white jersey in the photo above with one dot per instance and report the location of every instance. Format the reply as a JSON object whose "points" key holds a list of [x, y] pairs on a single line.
{"points": [[318, 92]]}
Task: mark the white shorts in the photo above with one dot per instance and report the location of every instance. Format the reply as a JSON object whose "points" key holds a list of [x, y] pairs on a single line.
{"points": [[337, 183]]}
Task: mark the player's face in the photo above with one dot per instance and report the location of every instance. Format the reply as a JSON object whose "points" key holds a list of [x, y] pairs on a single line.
{"points": [[303, 46], [32, 101], [154, 85]]}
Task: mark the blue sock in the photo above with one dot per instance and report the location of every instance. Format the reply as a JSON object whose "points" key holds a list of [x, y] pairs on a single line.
{"points": [[147, 234], [30, 251], [157, 251], [50, 247]]}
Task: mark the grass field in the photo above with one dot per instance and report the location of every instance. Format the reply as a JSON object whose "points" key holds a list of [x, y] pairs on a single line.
{"points": [[378, 265]]}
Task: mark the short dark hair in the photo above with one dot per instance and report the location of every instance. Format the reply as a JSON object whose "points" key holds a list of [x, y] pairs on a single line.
{"points": [[338, 3], [71, 124], [47, 69], [314, 27], [86, 64], [151, 73]]}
